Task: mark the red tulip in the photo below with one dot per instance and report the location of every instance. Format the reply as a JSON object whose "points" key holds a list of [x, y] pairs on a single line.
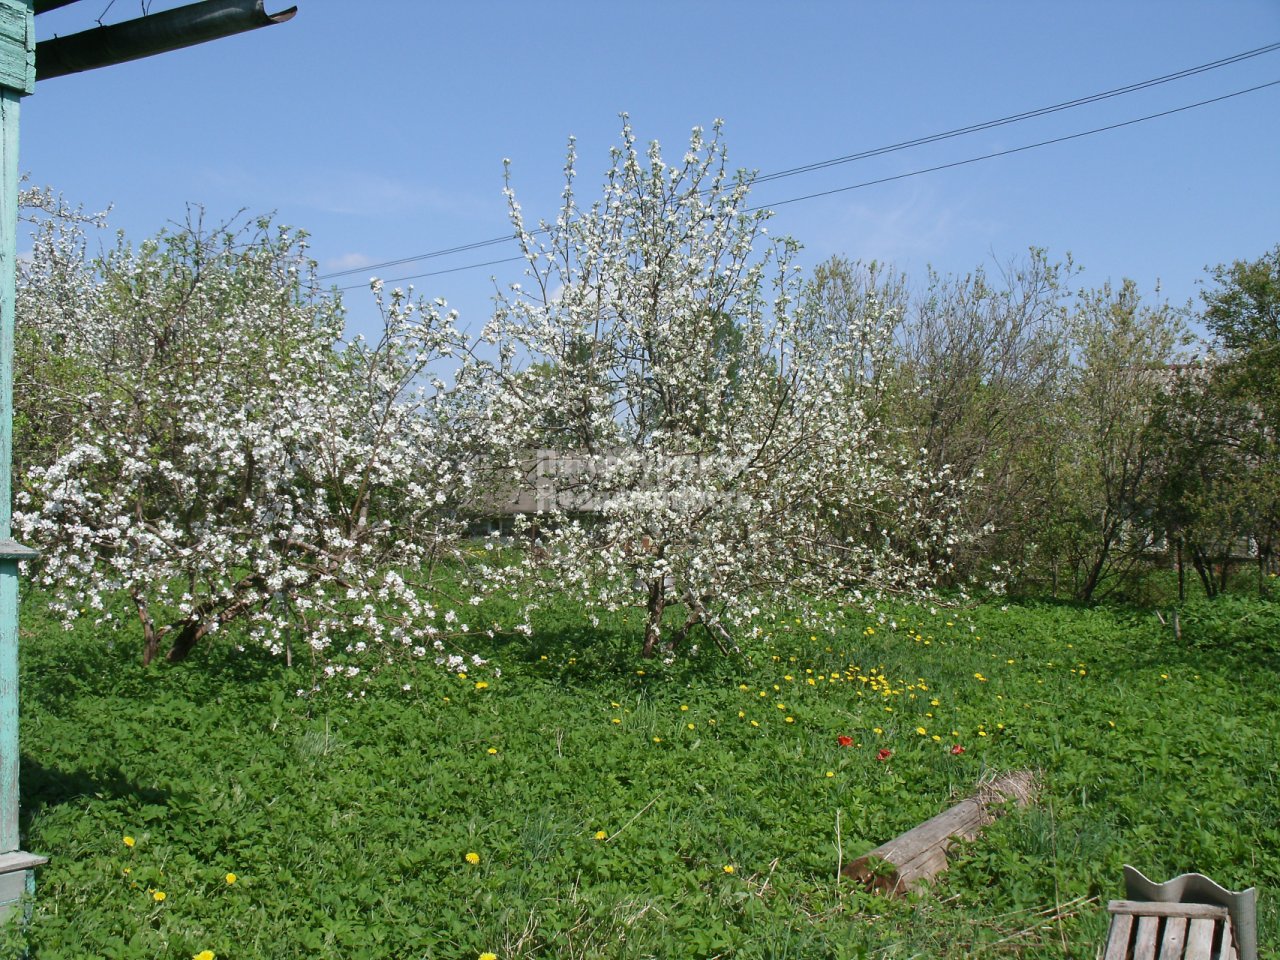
{"points": [[957, 749], [844, 741], [884, 754]]}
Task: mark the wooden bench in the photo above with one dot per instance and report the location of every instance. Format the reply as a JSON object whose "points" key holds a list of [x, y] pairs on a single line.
{"points": [[1169, 931]]}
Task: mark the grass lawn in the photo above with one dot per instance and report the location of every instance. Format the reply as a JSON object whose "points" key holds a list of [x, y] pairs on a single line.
{"points": [[589, 804]]}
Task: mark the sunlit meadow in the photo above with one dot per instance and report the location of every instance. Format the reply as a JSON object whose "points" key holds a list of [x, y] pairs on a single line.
{"points": [[588, 803]]}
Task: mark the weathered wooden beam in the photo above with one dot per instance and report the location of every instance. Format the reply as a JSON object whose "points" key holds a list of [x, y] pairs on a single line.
{"points": [[44, 6], [154, 33], [920, 854]]}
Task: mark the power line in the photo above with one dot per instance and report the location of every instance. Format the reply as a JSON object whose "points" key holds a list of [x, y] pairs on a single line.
{"points": [[1012, 150], [890, 179], [867, 154], [1018, 117]]}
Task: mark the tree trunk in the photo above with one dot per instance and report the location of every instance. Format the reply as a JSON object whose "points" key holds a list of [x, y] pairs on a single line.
{"points": [[1091, 579], [150, 639], [1204, 571], [653, 626], [186, 640], [1182, 574]]}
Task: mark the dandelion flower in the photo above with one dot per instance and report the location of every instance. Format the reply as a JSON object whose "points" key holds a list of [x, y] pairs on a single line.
{"points": [[481, 685], [601, 835], [128, 841], [231, 878], [728, 868], [158, 896], [492, 751], [488, 956], [205, 955], [473, 858]]}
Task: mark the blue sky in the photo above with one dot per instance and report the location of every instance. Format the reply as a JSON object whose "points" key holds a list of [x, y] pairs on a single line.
{"points": [[380, 126]]}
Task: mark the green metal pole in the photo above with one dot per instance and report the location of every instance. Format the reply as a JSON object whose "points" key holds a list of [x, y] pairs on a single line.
{"points": [[17, 78]]}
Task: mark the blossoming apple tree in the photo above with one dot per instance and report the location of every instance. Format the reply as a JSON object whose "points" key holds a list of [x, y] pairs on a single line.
{"points": [[197, 436], [712, 449]]}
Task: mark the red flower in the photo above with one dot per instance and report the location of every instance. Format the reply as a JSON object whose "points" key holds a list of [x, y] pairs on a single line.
{"points": [[844, 741], [884, 754], [957, 749]]}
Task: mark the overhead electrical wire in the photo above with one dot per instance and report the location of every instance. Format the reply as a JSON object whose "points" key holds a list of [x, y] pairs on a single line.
{"points": [[879, 151], [1013, 150]]}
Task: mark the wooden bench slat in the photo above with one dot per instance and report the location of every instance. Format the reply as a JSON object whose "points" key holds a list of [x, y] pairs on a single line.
{"points": [[1144, 946], [1190, 910], [1118, 940], [1175, 938], [1200, 939]]}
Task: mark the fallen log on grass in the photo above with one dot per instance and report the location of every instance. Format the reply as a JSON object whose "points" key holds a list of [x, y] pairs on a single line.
{"points": [[920, 854]]}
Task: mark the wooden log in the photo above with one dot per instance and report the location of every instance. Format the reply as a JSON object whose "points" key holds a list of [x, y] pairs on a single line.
{"points": [[920, 854]]}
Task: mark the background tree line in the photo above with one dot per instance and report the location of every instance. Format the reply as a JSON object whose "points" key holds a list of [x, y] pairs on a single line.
{"points": [[1098, 437]]}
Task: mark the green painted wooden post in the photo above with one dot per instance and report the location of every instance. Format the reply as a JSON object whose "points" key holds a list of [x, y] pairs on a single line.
{"points": [[17, 79]]}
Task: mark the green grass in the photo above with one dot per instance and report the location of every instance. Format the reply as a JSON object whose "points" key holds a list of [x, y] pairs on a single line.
{"points": [[347, 820]]}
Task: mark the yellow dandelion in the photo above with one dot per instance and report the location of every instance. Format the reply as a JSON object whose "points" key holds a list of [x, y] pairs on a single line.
{"points": [[727, 868], [492, 751], [205, 955], [791, 719], [921, 730], [158, 896], [487, 956], [601, 835], [691, 726], [684, 707], [472, 858], [481, 685], [657, 739], [831, 773], [230, 878], [128, 841]]}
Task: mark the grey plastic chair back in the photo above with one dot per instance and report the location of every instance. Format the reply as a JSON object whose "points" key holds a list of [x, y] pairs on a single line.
{"points": [[1197, 888]]}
